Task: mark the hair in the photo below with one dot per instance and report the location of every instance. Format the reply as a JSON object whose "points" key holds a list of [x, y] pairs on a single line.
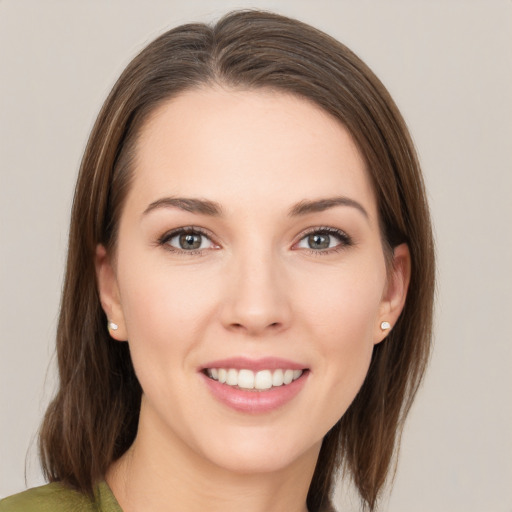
{"points": [[93, 418]]}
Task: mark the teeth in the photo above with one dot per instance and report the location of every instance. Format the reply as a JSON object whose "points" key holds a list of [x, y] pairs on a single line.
{"points": [[263, 380], [278, 378], [247, 379], [232, 377]]}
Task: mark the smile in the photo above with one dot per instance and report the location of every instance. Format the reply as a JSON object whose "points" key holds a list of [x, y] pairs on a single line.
{"points": [[250, 380]]}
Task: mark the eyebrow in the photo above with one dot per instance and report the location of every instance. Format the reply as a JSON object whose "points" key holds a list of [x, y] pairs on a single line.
{"points": [[320, 205], [211, 208], [200, 206]]}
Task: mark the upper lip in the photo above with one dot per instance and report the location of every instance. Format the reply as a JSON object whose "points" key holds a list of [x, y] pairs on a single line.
{"points": [[264, 363]]}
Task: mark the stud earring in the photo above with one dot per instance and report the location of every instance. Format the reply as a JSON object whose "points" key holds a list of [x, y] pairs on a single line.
{"points": [[112, 325], [385, 326]]}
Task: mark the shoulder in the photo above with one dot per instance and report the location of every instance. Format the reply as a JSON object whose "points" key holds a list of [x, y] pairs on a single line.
{"points": [[53, 497]]}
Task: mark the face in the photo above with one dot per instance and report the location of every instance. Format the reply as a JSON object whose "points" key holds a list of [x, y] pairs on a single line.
{"points": [[248, 256]]}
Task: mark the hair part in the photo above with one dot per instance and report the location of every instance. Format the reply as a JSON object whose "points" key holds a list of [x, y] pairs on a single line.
{"points": [[93, 419]]}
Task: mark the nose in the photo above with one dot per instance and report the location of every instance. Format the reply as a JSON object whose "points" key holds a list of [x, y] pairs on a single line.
{"points": [[256, 299]]}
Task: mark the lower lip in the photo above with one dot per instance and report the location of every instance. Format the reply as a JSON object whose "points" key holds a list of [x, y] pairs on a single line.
{"points": [[255, 402]]}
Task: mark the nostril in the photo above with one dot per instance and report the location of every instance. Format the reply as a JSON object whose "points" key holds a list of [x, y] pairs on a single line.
{"points": [[240, 326]]}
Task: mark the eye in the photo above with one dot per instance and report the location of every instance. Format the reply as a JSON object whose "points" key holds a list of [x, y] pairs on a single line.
{"points": [[324, 240], [190, 240]]}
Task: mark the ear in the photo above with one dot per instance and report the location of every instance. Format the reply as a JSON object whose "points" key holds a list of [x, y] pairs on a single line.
{"points": [[109, 294], [395, 293]]}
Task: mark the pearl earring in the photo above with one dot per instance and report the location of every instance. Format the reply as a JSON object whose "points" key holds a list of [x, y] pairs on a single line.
{"points": [[385, 326], [112, 325]]}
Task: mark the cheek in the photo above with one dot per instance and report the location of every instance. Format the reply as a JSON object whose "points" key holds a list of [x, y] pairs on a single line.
{"points": [[345, 303], [342, 320], [159, 298], [165, 311]]}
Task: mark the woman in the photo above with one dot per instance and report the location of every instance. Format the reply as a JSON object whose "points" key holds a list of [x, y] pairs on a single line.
{"points": [[248, 298]]}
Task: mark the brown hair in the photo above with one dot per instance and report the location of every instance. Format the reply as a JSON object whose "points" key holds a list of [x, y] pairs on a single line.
{"points": [[93, 419]]}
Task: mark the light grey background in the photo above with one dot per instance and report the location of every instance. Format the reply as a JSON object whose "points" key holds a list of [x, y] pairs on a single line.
{"points": [[447, 63]]}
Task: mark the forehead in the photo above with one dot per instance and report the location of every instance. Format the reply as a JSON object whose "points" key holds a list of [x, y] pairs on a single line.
{"points": [[255, 145]]}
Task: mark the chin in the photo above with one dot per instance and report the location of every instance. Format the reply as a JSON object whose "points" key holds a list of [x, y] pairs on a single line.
{"points": [[259, 454]]}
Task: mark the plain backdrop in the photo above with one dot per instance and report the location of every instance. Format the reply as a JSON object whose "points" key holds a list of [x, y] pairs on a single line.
{"points": [[447, 63]]}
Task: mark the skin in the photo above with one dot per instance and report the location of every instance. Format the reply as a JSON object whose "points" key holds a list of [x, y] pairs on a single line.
{"points": [[255, 289]]}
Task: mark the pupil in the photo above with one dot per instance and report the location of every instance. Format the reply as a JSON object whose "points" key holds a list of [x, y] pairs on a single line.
{"points": [[190, 241], [317, 241]]}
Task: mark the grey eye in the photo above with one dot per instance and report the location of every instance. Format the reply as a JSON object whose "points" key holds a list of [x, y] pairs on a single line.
{"points": [[190, 241], [324, 239], [319, 241]]}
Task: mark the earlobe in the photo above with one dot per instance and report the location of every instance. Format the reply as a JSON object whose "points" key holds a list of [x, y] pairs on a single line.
{"points": [[394, 296], [109, 294]]}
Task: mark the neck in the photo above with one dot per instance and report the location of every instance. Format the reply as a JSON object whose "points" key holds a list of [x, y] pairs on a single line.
{"points": [[161, 473]]}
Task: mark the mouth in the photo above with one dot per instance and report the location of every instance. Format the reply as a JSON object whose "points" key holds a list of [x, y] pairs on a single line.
{"points": [[255, 386], [249, 380]]}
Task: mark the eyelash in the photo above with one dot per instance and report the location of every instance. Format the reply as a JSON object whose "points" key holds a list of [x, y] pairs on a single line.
{"points": [[189, 230], [344, 239]]}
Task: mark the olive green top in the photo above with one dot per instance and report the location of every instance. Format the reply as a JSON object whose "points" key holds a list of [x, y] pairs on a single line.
{"points": [[55, 497]]}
